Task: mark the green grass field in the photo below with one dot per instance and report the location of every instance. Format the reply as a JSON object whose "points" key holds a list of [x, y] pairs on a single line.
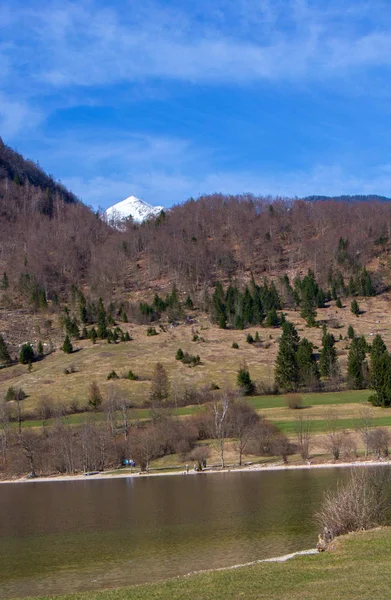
{"points": [[315, 399], [356, 568]]}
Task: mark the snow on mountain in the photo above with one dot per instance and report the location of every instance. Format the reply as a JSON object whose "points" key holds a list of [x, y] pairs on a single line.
{"points": [[132, 207]]}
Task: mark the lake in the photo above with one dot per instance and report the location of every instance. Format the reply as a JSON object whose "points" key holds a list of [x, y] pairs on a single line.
{"points": [[60, 537]]}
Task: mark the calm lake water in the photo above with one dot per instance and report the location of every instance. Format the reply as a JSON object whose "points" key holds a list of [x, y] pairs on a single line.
{"points": [[84, 535]]}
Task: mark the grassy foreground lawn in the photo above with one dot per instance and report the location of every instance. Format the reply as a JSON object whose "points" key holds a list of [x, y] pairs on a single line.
{"points": [[357, 568]]}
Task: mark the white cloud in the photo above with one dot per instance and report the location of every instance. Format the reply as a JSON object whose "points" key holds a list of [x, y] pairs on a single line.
{"points": [[16, 116], [230, 44]]}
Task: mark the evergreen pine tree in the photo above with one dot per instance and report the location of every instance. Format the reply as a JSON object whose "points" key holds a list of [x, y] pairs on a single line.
{"points": [[257, 306], [351, 333], [356, 358], [239, 323], [248, 307], [308, 311], [189, 303], [219, 315], [272, 319], [308, 368], [83, 309], [4, 282], [354, 307], [93, 335], [338, 303], [67, 345], [244, 381], [5, 357], [328, 355], [380, 373], [287, 369], [40, 349], [26, 354], [102, 320]]}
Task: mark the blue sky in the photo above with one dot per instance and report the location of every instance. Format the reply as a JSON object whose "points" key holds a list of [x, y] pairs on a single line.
{"points": [[167, 99]]}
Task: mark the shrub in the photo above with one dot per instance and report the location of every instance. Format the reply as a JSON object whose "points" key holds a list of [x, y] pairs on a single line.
{"points": [[151, 331], [94, 396], [195, 338], [112, 375], [132, 376], [293, 401], [191, 360], [249, 339], [214, 386], [179, 354], [235, 346], [199, 455], [362, 503], [15, 394]]}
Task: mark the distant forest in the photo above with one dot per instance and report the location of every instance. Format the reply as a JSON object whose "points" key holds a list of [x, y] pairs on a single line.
{"points": [[355, 198], [50, 241]]}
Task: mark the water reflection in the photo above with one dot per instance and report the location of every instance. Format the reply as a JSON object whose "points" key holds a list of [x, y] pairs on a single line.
{"points": [[69, 536]]}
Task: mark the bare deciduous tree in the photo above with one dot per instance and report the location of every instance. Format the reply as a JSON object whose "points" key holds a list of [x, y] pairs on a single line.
{"points": [[334, 438], [379, 441], [220, 423], [243, 420], [365, 425], [160, 387], [303, 435]]}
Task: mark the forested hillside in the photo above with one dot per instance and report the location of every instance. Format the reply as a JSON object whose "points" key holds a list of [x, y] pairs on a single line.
{"points": [[51, 242]]}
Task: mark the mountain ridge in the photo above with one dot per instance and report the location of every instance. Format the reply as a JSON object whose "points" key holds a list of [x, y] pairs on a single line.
{"points": [[348, 198]]}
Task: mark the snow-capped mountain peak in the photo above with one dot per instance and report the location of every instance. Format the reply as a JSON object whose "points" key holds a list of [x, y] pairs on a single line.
{"points": [[132, 207]]}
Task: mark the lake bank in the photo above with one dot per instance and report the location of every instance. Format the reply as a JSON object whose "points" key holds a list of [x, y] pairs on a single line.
{"points": [[234, 469]]}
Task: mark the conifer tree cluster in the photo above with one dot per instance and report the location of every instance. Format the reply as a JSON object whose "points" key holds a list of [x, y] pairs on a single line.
{"points": [[359, 285], [240, 309], [170, 305], [309, 296], [296, 363]]}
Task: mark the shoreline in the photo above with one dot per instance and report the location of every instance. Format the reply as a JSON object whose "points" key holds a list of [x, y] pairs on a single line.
{"points": [[257, 468]]}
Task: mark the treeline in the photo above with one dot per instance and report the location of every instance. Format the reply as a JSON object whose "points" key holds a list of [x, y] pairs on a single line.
{"points": [[61, 447]]}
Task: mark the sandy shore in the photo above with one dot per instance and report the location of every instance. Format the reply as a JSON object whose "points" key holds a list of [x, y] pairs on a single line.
{"points": [[246, 469]]}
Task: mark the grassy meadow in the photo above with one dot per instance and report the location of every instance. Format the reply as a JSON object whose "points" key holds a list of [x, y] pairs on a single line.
{"points": [[356, 567], [219, 365]]}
